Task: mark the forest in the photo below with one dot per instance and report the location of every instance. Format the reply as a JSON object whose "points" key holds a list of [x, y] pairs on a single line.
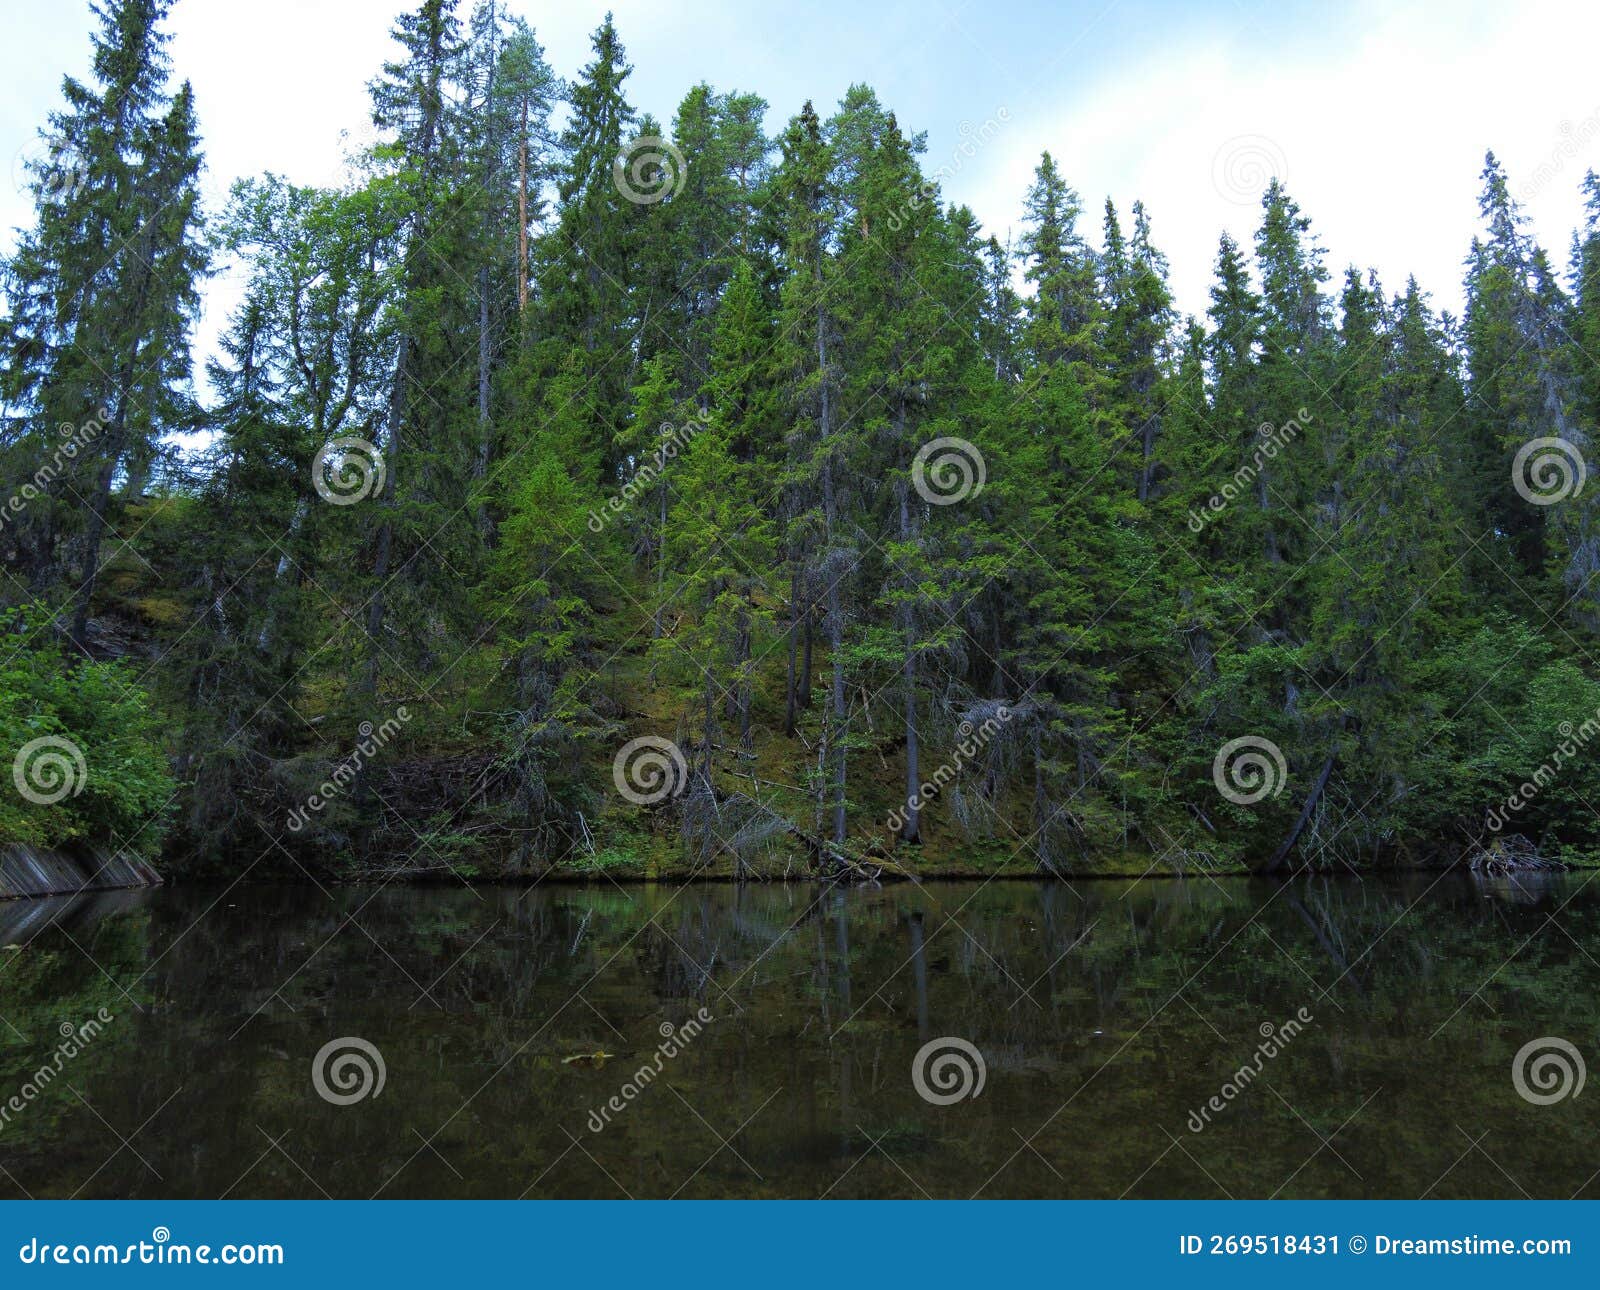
{"points": [[576, 493]]}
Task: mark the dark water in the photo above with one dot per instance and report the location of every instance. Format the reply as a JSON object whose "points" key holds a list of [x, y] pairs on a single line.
{"points": [[1105, 1014]]}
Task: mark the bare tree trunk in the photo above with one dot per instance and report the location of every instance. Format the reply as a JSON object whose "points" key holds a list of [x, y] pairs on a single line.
{"points": [[708, 737], [480, 468], [790, 681], [745, 742], [836, 649], [1276, 864], [94, 531], [1148, 443], [805, 651], [397, 408], [661, 561]]}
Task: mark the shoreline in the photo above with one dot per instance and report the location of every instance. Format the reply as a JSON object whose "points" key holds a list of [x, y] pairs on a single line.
{"points": [[568, 879]]}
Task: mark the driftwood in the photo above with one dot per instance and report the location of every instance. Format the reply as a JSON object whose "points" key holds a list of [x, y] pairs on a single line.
{"points": [[1512, 853], [828, 858], [831, 856], [1276, 864]]}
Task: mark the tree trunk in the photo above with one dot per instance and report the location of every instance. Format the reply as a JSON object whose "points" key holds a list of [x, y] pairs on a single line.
{"points": [[385, 547], [522, 212], [94, 531], [836, 649], [911, 831], [661, 563], [790, 681], [480, 468], [1148, 443], [481, 465], [1276, 864], [397, 397], [919, 974], [805, 651], [745, 742], [835, 609], [117, 441]]}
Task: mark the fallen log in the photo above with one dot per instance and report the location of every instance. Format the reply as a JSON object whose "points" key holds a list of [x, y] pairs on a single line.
{"points": [[1275, 865]]}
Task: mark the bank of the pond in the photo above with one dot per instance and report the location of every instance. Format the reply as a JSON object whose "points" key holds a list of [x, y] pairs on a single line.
{"points": [[27, 872], [628, 856], [664, 864], [647, 870]]}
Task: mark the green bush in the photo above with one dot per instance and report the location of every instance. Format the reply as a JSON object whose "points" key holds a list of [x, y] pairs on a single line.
{"points": [[83, 757]]}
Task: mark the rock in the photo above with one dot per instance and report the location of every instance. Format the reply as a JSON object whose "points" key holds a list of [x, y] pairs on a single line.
{"points": [[34, 871]]}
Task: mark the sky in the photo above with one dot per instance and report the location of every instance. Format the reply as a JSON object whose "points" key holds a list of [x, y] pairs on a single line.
{"points": [[1376, 116]]}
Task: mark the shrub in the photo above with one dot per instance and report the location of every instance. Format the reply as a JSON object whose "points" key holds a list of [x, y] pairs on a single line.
{"points": [[83, 757]]}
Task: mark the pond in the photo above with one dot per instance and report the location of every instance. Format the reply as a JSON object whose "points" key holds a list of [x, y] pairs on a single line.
{"points": [[1423, 1035]]}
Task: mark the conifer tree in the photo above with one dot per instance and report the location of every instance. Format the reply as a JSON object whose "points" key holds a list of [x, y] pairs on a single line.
{"points": [[102, 292], [665, 430], [428, 432], [587, 255], [1138, 323], [1520, 389]]}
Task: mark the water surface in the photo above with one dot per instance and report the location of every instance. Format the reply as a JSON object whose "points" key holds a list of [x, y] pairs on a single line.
{"points": [[1106, 1015]]}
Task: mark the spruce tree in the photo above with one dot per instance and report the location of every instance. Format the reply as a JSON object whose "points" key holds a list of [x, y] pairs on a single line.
{"points": [[102, 294]]}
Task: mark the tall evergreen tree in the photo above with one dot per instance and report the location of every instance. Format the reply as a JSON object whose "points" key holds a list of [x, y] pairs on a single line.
{"points": [[102, 294]]}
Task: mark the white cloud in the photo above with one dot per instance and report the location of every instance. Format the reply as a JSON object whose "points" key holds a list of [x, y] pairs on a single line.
{"points": [[1381, 113], [1382, 138]]}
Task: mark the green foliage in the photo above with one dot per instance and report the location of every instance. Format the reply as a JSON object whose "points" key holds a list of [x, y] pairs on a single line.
{"points": [[89, 711], [657, 409]]}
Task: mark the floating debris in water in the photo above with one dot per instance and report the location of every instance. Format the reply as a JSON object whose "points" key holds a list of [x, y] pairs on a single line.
{"points": [[597, 1058]]}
